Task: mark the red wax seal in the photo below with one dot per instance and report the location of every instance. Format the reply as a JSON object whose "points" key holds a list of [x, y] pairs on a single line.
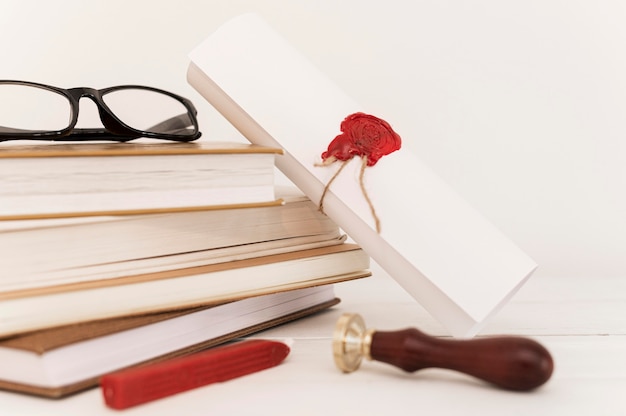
{"points": [[362, 135]]}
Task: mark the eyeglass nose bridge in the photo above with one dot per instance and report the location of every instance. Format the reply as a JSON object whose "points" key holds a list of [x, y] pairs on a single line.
{"points": [[108, 119]]}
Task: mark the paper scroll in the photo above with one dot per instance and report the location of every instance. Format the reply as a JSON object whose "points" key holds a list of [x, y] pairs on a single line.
{"points": [[444, 253]]}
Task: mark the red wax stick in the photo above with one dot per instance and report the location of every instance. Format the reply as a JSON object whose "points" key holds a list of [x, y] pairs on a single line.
{"points": [[138, 385]]}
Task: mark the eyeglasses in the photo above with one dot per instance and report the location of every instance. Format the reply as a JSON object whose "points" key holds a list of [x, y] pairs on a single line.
{"points": [[29, 110]]}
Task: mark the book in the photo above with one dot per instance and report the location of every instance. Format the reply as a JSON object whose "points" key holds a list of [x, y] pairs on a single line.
{"points": [[67, 180], [63, 360], [47, 252], [32, 309], [455, 263]]}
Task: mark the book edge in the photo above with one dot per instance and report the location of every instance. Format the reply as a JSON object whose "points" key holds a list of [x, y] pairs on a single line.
{"points": [[13, 329], [132, 149], [132, 212], [182, 272]]}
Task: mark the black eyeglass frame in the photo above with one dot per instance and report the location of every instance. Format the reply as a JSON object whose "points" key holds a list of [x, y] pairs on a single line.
{"points": [[114, 128]]}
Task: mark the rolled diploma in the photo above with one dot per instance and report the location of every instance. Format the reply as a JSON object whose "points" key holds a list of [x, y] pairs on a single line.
{"points": [[456, 264]]}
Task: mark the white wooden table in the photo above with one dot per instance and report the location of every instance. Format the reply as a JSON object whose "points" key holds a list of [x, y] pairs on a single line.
{"points": [[581, 321]]}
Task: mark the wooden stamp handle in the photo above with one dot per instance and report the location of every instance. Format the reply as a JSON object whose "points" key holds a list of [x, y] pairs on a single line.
{"points": [[514, 363]]}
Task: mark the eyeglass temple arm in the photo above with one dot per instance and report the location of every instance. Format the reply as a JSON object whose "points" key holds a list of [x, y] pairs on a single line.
{"points": [[173, 125], [74, 135]]}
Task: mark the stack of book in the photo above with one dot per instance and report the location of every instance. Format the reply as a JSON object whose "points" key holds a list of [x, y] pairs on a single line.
{"points": [[125, 254]]}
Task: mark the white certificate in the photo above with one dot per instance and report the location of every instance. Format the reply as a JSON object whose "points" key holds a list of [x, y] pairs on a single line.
{"points": [[456, 264]]}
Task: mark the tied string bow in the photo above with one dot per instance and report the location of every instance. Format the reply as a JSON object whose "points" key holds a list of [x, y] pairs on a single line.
{"points": [[362, 135]]}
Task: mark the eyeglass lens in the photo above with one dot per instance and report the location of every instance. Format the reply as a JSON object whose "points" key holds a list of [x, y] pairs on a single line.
{"points": [[149, 111], [29, 108]]}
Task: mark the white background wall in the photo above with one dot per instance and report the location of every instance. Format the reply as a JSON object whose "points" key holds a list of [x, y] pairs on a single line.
{"points": [[519, 105]]}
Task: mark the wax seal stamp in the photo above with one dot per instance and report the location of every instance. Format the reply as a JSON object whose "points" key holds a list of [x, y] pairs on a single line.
{"points": [[510, 362]]}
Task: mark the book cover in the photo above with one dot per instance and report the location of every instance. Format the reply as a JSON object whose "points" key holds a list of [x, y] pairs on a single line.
{"points": [[37, 362], [442, 251]]}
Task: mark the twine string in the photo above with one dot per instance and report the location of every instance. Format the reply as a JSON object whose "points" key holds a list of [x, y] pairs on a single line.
{"points": [[327, 187], [367, 198], [361, 184]]}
